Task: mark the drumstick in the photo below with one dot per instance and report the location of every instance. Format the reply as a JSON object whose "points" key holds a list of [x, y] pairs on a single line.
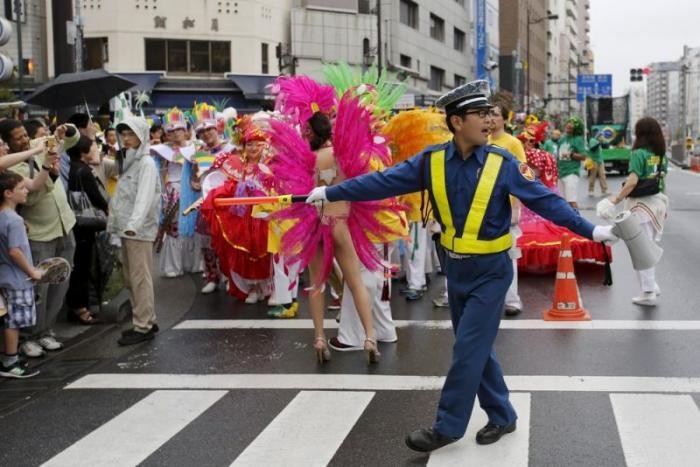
{"points": [[284, 199], [193, 207]]}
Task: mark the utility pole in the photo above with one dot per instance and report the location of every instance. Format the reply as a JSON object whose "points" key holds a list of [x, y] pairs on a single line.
{"points": [[20, 61], [78, 21], [379, 37]]}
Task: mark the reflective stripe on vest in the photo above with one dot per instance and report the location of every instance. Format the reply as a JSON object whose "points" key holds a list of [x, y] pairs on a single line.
{"points": [[469, 242]]}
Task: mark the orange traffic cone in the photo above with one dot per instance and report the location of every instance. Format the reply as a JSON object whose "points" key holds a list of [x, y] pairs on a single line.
{"points": [[567, 299]]}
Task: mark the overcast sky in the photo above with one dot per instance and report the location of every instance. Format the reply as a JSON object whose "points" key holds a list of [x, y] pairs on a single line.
{"points": [[633, 33]]}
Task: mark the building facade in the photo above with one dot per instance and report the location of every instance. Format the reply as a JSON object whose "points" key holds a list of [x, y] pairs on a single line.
{"points": [[663, 95], [35, 61]]}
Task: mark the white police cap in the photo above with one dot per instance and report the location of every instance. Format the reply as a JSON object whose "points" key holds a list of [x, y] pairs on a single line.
{"points": [[472, 94]]}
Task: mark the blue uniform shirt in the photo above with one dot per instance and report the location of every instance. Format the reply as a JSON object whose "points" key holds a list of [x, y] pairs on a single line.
{"points": [[461, 177]]}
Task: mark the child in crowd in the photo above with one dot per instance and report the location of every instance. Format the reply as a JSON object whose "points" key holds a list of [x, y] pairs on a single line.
{"points": [[16, 273]]}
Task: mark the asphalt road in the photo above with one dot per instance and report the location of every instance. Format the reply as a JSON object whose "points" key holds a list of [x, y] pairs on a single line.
{"points": [[220, 387]]}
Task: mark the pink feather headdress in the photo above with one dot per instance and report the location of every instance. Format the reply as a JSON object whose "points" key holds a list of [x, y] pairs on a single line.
{"points": [[299, 97]]}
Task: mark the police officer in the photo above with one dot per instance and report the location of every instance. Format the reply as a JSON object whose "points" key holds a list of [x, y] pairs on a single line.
{"points": [[469, 183]]}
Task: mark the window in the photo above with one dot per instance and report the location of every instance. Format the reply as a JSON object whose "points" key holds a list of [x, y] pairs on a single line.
{"points": [[408, 13], [437, 28], [405, 61], [437, 78], [96, 52], [182, 56], [265, 58], [459, 40], [460, 80]]}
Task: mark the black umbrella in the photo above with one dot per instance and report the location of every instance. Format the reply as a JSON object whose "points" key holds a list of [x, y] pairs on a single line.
{"points": [[72, 89]]}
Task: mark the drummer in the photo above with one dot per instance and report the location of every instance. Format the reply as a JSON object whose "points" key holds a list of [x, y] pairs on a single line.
{"points": [[205, 127]]}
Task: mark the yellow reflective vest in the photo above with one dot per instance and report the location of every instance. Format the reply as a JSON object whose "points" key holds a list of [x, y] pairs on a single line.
{"points": [[468, 242]]}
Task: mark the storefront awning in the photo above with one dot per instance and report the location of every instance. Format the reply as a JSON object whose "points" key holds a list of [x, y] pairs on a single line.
{"points": [[144, 81], [253, 86]]}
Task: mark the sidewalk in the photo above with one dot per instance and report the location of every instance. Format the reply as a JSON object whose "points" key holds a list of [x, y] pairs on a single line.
{"points": [[88, 346]]}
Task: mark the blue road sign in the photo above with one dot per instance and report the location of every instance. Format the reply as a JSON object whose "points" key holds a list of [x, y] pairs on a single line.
{"points": [[593, 86]]}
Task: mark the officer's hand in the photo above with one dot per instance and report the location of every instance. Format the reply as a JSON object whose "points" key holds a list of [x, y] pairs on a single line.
{"points": [[603, 233], [317, 194]]}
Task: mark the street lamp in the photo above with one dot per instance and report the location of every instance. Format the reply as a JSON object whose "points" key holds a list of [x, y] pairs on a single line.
{"points": [[531, 21]]}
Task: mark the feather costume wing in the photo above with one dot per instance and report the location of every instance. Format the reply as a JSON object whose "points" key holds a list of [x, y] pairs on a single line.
{"points": [[411, 131], [354, 147], [294, 166]]}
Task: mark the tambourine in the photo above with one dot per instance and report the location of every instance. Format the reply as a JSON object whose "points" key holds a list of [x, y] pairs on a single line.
{"points": [[56, 270]]}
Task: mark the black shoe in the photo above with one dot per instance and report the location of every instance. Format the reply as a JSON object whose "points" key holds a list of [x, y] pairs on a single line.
{"points": [[132, 337], [492, 433], [513, 311], [154, 329], [427, 439]]}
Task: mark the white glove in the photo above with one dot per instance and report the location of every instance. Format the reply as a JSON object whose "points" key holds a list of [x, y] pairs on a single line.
{"points": [[317, 194], [605, 209], [603, 233]]}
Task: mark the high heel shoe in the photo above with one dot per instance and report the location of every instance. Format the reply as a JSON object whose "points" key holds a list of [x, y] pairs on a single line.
{"points": [[321, 349], [373, 354]]}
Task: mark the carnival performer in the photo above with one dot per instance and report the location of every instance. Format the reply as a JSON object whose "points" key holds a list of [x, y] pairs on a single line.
{"points": [[644, 195], [540, 239], [175, 242], [571, 150], [239, 239], [475, 213], [206, 127], [325, 156]]}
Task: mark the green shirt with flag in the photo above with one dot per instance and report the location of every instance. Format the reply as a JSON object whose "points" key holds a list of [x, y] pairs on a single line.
{"points": [[645, 164], [567, 146], [595, 150]]}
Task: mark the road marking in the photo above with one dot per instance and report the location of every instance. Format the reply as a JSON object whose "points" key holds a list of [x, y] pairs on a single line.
{"points": [[657, 429], [308, 431], [379, 382], [133, 435], [527, 324], [512, 450]]}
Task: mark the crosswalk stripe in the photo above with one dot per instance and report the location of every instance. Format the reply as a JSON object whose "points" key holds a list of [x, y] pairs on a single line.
{"points": [[136, 433], [658, 429], [356, 382], [308, 431], [512, 450], [523, 324]]}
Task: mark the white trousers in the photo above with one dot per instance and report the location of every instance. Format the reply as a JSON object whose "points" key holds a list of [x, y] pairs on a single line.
{"points": [[350, 330], [180, 255], [647, 277], [512, 295], [286, 282], [416, 256]]}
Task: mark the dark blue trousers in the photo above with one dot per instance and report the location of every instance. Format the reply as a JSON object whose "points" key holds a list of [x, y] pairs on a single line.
{"points": [[476, 289]]}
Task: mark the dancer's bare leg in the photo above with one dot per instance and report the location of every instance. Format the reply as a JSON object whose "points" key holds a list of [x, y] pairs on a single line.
{"points": [[317, 307], [350, 265]]}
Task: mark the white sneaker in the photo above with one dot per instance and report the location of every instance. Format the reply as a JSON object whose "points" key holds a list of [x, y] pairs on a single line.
{"points": [[646, 299], [31, 349], [171, 275], [209, 287], [50, 343], [252, 298], [441, 302]]}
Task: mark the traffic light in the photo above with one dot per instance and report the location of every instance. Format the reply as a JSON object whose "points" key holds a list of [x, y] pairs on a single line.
{"points": [[636, 74], [689, 143], [6, 65]]}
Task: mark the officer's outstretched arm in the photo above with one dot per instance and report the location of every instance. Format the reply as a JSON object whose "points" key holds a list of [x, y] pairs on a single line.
{"points": [[398, 180], [524, 186]]}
